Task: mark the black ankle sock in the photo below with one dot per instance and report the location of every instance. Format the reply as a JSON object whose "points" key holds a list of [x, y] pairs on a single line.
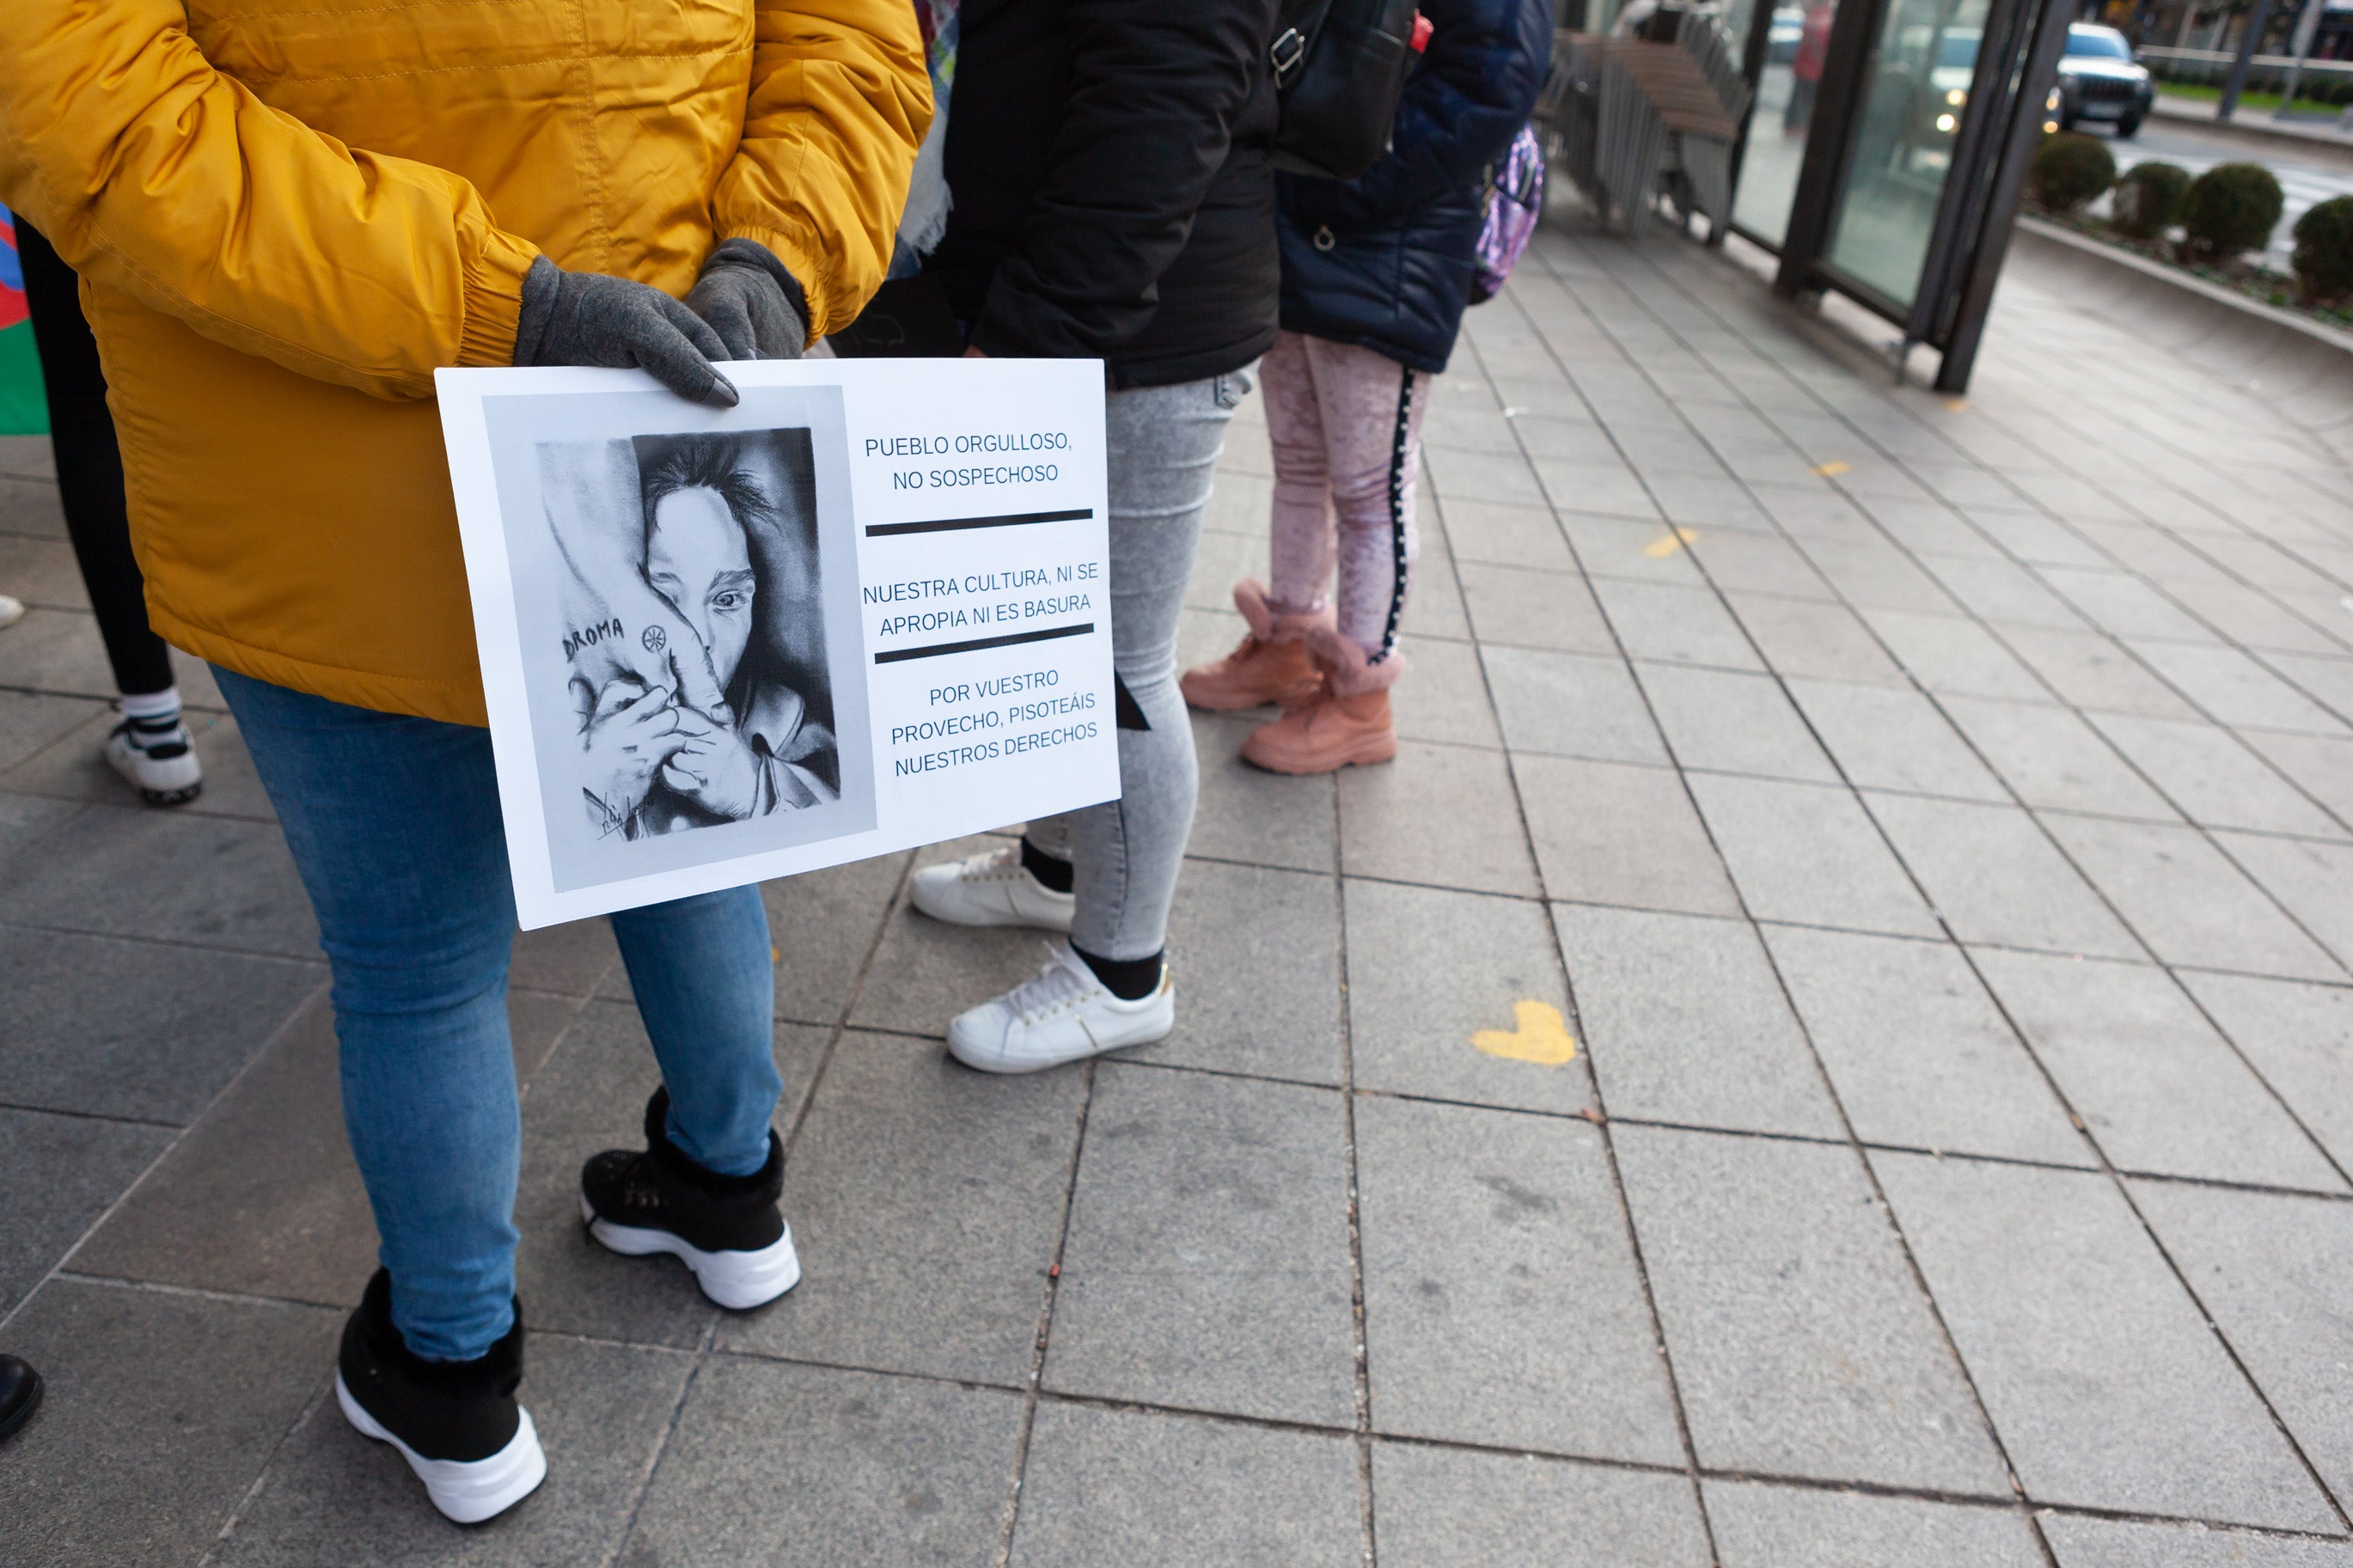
{"points": [[1054, 875], [1129, 979]]}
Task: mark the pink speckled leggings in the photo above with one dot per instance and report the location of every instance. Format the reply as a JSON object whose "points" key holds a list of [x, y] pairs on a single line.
{"points": [[1345, 425]]}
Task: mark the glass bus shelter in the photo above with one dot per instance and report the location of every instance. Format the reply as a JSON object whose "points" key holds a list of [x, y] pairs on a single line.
{"points": [[1886, 147]]}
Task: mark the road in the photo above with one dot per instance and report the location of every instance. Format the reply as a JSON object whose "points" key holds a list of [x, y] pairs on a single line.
{"points": [[2306, 174]]}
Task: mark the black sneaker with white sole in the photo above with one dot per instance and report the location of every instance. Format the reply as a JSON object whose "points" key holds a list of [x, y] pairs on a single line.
{"points": [[727, 1229], [456, 1422], [155, 757]]}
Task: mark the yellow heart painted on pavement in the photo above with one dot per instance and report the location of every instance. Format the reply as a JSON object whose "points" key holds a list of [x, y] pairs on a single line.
{"points": [[1542, 1036]]}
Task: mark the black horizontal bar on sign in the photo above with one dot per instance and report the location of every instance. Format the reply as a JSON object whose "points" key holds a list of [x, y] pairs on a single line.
{"points": [[975, 644], [949, 525]]}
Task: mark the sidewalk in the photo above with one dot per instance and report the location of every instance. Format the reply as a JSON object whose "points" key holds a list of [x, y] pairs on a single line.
{"points": [[1933, 820], [2251, 122]]}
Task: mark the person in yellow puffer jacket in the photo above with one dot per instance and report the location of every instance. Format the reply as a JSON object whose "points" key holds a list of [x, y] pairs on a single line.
{"points": [[285, 220]]}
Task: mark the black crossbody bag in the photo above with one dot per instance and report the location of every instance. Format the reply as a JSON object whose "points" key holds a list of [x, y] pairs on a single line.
{"points": [[1339, 70]]}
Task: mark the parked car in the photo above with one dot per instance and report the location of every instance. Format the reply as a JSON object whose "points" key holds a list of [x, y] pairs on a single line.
{"points": [[2099, 80]]}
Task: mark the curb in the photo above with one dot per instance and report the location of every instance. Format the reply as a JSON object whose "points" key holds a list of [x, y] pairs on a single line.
{"points": [[2297, 365]]}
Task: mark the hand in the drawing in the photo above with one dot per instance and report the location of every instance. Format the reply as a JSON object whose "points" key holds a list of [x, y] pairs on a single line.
{"points": [[626, 731], [713, 767]]}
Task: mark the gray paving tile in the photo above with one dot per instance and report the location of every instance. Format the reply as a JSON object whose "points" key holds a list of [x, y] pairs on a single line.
{"points": [[1663, 621], [1760, 564], [1534, 609], [2121, 603], [1890, 737], [877, 1471], [2325, 677], [932, 971], [1812, 510], [2214, 777], [74, 766], [1428, 969], [1436, 608], [202, 880], [2032, 537], [1994, 877], [1806, 854], [2270, 1271], [161, 1411], [925, 1201], [2131, 1052], [1685, 1023], [1483, 476], [2004, 593], [1871, 573], [2324, 767], [1442, 696], [1136, 1488], [2187, 902], [591, 1095], [214, 1216], [2100, 1374], [1259, 994], [27, 819], [1207, 1261], [58, 651], [1571, 705], [824, 924], [1828, 641], [569, 959], [2054, 759], [1954, 657], [2091, 672], [1705, 501], [1441, 815], [2234, 690], [1524, 536], [2300, 1037], [1610, 834], [1436, 1507], [1732, 722], [1919, 1054], [2085, 1543], [1501, 1304], [1607, 487], [600, 1410], [1801, 1343], [30, 721], [58, 1175], [1641, 552], [1771, 1526], [137, 1030], [1247, 814], [2309, 878]]}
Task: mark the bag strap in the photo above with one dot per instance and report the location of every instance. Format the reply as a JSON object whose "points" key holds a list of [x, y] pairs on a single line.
{"points": [[1294, 39]]}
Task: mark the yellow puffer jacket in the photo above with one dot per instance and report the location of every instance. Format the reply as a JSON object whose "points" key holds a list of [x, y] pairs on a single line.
{"points": [[288, 213]]}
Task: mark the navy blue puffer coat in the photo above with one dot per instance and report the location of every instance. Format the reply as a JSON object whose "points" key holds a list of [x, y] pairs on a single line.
{"points": [[1384, 259]]}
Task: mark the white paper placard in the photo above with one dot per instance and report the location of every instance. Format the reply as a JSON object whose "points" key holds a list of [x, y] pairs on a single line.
{"points": [[864, 610]]}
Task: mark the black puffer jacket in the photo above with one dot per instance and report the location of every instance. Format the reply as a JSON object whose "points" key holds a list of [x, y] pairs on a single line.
{"points": [[1384, 259], [1108, 162]]}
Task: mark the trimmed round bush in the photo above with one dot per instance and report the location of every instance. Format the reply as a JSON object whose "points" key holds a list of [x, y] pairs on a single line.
{"points": [[2070, 169], [2231, 208], [2148, 199], [2324, 252]]}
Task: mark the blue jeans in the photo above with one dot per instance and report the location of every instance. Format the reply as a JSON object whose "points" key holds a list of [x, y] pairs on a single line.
{"points": [[393, 823]]}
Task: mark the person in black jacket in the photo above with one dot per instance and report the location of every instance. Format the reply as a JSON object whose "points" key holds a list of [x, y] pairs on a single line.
{"points": [[1110, 195], [1375, 274]]}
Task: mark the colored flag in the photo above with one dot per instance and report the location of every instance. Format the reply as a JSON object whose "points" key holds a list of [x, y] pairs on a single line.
{"points": [[24, 409]]}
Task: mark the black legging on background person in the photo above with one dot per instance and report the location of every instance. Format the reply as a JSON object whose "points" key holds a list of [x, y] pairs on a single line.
{"points": [[150, 747]]}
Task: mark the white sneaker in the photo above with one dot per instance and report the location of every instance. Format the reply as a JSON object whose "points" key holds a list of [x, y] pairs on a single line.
{"points": [[11, 610], [1058, 1014], [155, 755], [993, 889]]}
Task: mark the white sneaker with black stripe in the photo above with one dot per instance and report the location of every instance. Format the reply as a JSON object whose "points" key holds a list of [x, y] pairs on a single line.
{"points": [[155, 755], [1061, 1014]]}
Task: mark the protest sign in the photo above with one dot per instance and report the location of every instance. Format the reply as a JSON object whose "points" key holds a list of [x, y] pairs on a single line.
{"points": [[866, 609]]}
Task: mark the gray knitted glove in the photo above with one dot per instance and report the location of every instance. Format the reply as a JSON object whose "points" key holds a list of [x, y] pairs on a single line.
{"points": [[752, 302], [587, 318]]}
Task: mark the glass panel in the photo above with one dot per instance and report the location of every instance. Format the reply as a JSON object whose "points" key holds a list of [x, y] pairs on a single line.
{"points": [[1734, 25], [1797, 38], [1914, 91]]}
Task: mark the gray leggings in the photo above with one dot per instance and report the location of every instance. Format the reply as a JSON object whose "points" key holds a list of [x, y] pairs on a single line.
{"points": [[1164, 447]]}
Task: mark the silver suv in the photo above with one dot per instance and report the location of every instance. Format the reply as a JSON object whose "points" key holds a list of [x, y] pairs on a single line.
{"points": [[2098, 80]]}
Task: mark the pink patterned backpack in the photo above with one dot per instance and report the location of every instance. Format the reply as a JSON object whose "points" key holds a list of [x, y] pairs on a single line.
{"points": [[1514, 203]]}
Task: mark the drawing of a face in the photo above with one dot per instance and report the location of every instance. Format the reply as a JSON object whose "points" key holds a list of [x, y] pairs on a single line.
{"points": [[697, 557]]}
